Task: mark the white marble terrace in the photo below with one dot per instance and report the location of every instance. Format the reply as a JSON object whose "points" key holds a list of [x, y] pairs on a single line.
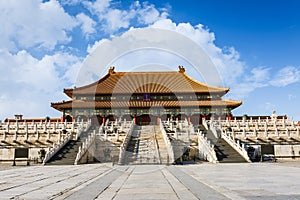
{"points": [[267, 128]]}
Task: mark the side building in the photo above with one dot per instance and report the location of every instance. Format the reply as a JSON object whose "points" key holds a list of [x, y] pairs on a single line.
{"points": [[145, 96]]}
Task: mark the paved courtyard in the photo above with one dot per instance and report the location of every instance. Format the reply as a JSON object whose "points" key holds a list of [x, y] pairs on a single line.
{"points": [[104, 181]]}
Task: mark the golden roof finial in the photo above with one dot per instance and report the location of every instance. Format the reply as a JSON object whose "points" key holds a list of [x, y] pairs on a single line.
{"points": [[181, 69], [111, 70]]}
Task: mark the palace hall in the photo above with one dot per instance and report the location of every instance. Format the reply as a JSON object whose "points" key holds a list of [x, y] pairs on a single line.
{"points": [[144, 97]]}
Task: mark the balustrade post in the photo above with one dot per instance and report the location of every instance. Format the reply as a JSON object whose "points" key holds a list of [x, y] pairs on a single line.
{"points": [[293, 124], [244, 133], [266, 130], [7, 127], [233, 135], [15, 135], [117, 135], [17, 126], [26, 128], [59, 137], [26, 131], [73, 126], [188, 133], [37, 135], [48, 135]]}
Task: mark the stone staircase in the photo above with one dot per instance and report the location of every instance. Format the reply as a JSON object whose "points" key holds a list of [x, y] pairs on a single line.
{"points": [[225, 153], [162, 148], [179, 148], [146, 146], [106, 151], [67, 155]]}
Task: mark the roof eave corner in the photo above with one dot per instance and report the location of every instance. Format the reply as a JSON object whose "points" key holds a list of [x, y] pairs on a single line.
{"points": [[69, 92], [226, 90]]}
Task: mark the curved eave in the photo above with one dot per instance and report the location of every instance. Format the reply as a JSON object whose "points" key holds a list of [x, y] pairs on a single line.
{"points": [[146, 104], [62, 105], [211, 88]]}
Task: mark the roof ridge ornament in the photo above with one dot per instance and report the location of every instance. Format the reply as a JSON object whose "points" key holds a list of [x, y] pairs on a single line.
{"points": [[111, 70], [181, 69]]}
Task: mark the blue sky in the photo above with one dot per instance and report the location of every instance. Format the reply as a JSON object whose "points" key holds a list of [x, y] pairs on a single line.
{"points": [[255, 46]]}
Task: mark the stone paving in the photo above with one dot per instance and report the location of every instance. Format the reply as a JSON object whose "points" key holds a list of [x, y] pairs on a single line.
{"points": [[196, 181]]}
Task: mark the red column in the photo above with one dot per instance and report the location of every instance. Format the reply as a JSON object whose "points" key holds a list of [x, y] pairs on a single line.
{"points": [[189, 119], [134, 119], [103, 121]]}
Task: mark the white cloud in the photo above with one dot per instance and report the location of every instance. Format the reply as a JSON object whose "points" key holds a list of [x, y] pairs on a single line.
{"points": [[286, 76], [248, 82], [112, 19], [30, 23], [260, 74], [93, 47], [148, 14], [226, 60], [70, 2], [28, 85], [87, 24]]}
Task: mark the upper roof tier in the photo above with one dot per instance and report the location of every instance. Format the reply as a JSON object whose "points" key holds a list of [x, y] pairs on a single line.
{"points": [[145, 82]]}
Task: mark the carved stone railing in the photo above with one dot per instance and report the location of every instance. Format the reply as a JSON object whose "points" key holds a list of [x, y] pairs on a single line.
{"points": [[82, 127], [125, 143], [167, 142], [66, 126], [259, 128], [24, 131], [206, 149], [214, 126], [236, 145], [204, 123], [56, 147], [33, 127], [86, 144]]}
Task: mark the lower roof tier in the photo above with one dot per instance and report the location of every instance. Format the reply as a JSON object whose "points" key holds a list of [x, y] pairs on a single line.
{"points": [[81, 104]]}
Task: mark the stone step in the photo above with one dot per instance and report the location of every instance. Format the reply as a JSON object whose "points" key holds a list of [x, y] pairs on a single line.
{"points": [[226, 154], [67, 155]]}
